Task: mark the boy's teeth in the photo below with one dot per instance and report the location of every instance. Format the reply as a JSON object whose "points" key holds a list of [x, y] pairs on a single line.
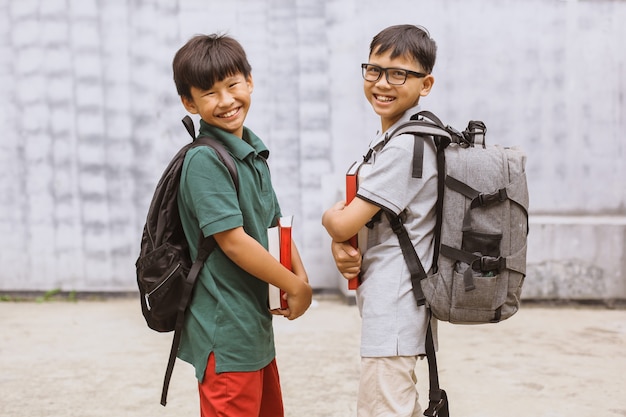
{"points": [[384, 98], [230, 113]]}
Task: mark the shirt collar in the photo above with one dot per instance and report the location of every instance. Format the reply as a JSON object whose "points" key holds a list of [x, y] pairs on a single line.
{"points": [[240, 148], [380, 137]]}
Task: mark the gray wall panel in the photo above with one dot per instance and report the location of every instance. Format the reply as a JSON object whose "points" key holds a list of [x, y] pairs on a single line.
{"points": [[90, 117]]}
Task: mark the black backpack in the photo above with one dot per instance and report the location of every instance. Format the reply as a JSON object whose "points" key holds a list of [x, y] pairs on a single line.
{"points": [[166, 274]]}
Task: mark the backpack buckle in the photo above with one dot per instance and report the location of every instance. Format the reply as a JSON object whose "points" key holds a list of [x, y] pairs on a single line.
{"points": [[484, 199], [488, 264], [437, 404], [461, 139]]}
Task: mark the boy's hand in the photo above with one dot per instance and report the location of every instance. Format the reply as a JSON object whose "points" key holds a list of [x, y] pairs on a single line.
{"points": [[347, 259], [298, 300]]}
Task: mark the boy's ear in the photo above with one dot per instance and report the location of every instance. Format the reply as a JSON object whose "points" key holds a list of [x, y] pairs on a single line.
{"points": [[189, 104], [250, 83], [427, 85]]}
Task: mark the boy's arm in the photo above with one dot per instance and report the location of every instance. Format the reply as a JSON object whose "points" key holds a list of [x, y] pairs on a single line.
{"points": [[342, 222], [253, 258], [297, 265]]}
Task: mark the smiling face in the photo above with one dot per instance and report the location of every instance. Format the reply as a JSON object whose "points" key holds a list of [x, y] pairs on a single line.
{"points": [[225, 105], [391, 101]]}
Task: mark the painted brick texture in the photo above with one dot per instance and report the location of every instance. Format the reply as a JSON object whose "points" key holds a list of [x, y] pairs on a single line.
{"points": [[90, 117]]}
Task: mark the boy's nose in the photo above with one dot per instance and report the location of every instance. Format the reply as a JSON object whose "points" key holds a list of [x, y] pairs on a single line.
{"points": [[382, 81], [226, 99]]}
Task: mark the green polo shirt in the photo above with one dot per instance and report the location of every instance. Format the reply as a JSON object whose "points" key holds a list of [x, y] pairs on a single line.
{"points": [[228, 314]]}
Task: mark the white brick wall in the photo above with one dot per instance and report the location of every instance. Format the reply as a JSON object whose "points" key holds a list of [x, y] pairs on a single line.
{"points": [[89, 116]]}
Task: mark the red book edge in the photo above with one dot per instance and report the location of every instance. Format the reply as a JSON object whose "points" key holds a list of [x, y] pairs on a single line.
{"points": [[279, 242], [351, 189], [284, 227]]}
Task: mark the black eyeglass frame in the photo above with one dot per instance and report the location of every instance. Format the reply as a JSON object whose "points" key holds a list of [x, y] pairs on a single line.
{"points": [[386, 71]]}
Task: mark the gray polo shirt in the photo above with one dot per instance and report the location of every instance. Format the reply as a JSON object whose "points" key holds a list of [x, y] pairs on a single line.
{"points": [[392, 324]]}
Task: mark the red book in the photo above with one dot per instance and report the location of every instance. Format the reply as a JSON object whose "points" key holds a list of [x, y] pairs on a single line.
{"points": [[352, 185], [279, 245]]}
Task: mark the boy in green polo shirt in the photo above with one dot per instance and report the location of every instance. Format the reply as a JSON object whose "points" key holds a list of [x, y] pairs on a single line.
{"points": [[228, 335]]}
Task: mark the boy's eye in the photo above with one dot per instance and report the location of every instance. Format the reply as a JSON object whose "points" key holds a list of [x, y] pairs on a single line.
{"points": [[397, 73]]}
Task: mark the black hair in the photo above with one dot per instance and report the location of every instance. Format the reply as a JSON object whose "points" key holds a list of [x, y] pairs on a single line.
{"points": [[207, 59], [409, 41]]}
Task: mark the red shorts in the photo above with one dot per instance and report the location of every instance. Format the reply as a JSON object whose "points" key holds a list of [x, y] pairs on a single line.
{"points": [[241, 394]]}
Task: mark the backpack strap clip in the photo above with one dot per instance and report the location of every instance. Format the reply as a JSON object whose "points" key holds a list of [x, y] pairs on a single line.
{"points": [[484, 199], [461, 139], [437, 404], [489, 263], [475, 132]]}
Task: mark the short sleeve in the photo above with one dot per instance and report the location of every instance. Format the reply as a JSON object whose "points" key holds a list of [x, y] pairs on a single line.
{"points": [[208, 190], [390, 177]]}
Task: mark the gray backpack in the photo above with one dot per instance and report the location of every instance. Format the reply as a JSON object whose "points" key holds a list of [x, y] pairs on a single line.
{"points": [[482, 225], [481, 231]]}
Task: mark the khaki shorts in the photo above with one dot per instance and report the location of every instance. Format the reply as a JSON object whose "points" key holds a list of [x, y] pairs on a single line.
{"points": [[387, 388]]}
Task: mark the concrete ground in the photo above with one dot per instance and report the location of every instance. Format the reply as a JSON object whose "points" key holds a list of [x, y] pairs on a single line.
{"points": [[97, 358]]}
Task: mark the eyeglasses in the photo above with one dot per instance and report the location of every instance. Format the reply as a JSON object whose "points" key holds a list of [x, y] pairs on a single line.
{"points": [[394, 76]]}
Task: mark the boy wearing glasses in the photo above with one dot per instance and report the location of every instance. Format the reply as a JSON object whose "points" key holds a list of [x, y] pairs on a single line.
{"points": [[228, 335], [393, 333]]}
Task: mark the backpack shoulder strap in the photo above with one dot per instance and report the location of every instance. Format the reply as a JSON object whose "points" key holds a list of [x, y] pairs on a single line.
{"points": [[438, 400], [416, 269], [426, 124], [437, 397], [188, 122], [220, 149], [420, 129]]}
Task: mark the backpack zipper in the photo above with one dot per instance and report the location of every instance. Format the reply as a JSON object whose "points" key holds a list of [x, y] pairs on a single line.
{"points": [[148, 294]]}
